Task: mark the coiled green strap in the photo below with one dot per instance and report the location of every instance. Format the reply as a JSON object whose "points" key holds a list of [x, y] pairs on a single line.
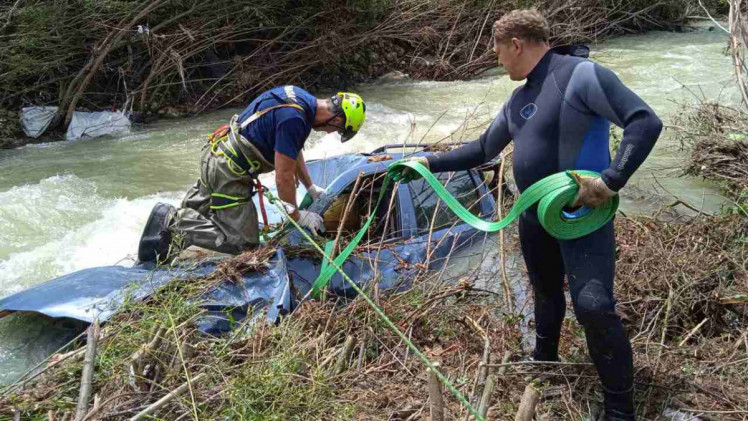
{"points": [[551, 194]]}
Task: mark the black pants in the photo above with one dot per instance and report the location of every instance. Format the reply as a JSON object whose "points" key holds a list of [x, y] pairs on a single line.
{"points": [[589, 265]]}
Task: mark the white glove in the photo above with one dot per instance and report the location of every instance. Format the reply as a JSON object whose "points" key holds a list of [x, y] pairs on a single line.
{"points": [[311, 221], [316, 192]]}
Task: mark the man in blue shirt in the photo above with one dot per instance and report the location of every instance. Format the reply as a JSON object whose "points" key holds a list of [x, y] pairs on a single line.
{"points": [[559, 120], [218, 213]]}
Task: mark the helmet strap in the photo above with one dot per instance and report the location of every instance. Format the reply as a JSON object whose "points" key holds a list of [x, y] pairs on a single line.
{"points": [[337, 111]]}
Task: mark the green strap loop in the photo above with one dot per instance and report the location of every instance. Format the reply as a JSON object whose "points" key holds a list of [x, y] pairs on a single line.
{"points": [[551, 193], [220, 201]]}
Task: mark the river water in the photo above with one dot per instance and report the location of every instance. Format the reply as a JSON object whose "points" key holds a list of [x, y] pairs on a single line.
{"points": [[67, 206]]}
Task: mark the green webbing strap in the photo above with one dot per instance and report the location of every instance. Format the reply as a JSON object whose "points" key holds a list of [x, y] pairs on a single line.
{"points": [[329, 248], [220, 201], [551, 193], [335, 266], [326, 272], [231, 150]]}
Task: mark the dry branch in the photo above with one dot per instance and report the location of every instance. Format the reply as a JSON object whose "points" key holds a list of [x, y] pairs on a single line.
{"points": [[168, 398], [485, 400], [527, 405], [436, 400], [342, 364], [88, 371]]}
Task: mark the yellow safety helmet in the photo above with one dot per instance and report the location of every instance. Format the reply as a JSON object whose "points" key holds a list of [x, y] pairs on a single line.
{"points": [[353, 108]]}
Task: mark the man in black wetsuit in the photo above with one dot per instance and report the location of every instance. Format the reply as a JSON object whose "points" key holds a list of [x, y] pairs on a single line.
{"points": [[560, 120]]}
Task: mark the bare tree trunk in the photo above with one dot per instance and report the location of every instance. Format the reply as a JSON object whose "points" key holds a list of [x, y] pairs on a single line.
{"points": [[737, 26]]}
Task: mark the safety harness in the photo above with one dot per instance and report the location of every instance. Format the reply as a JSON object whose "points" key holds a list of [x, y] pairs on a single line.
{"points": [[243, 160]]}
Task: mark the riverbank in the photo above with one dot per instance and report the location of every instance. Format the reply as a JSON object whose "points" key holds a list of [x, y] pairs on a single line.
{"points": [[717, 136], [158, 59], [681, 290], [143, 166]]}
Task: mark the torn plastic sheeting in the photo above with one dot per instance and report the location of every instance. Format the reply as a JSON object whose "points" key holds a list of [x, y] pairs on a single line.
{"points": [[35, 120], [97, 124], [89, 293], [395, 267], [101, 292], [231, 302]]}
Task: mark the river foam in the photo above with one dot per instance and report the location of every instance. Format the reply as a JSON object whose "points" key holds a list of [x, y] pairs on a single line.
{"points": [[61, 225]]}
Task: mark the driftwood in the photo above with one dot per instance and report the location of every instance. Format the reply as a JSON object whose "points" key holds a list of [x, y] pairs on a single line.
{"points": [[436, 400], [88, 371], [485, 400], [166, 399], [342, 364], [530, 400]]}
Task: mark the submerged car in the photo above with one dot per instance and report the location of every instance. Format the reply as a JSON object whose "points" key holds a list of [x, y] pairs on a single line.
{"points": [[411, 231]]}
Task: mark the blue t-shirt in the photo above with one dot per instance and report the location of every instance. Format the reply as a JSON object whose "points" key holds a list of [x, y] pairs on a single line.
{"points": [[284, 129]]}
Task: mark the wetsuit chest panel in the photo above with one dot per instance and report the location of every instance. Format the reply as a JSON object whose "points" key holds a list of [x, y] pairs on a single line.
{"points": [[560, 120], [533, 124], [551, 132]]}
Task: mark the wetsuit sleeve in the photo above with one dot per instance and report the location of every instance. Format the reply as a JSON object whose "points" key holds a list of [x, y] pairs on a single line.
{"points": [[477, 152], [289, 137], [601, 92]]}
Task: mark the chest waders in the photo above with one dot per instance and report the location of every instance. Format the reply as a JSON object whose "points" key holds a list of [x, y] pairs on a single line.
{"points": [[218, 213], [242, 159]]}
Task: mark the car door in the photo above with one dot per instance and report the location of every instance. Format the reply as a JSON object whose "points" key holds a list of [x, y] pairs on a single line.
{"points": [[435, 226]]}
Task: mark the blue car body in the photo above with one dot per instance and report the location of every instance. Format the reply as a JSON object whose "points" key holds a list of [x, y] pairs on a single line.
{"points": [[274, 290]]}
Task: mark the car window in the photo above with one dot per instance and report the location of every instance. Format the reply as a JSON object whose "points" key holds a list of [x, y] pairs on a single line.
{"points": [[387, 220], [459, 184], [324, 171]]}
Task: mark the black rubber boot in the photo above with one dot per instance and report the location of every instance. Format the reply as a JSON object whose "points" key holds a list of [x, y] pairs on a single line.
{"points": [[619, 406], [156, 239], [546, 349]]}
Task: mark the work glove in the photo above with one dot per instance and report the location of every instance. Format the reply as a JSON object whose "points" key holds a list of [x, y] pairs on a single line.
{"points": [[592, 191], [316, 192], [311, 221], [408, 174]]}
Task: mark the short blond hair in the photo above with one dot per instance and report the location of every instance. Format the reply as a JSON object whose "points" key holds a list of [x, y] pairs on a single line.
{"points": [[528, 24]]}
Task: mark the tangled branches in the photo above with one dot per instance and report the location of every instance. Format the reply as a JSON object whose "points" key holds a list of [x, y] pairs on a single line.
{"points": [[146, 54], [717, 136]]}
